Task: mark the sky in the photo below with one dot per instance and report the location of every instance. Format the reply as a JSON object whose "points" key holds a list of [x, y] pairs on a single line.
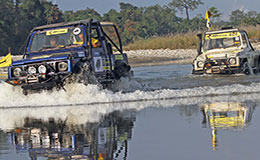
{"points": [[103, 6]]}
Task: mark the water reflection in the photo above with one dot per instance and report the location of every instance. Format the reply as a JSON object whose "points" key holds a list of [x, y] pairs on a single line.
{"points": [[106, 139], [226, 115]]}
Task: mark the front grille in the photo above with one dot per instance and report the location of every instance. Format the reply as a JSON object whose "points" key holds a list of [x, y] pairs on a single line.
{"points": [[51, 68], [217, 62]]}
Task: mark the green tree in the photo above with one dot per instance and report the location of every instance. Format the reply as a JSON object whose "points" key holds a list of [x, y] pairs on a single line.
{"points": [[251, 18], [52, 13], [33, 12], [81, 14], [215, 13], [7, 32], [112, 16], [185, 5], [130, 12], [29, 14], [237, 17], [158, 20], [128, 20]]}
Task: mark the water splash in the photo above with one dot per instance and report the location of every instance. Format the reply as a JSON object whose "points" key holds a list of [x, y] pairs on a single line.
{"points": [[80, 94]]}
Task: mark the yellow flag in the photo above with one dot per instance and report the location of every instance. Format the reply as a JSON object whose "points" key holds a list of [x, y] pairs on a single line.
{"points": [[6, 61], [209, 25], [208, 14]]}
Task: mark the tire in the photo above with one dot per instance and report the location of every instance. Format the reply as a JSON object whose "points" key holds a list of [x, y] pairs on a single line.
{"points": [[258, 66], [122, 69], [246, 69]]}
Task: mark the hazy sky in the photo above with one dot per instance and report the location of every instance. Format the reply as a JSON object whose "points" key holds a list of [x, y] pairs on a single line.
{"points": [[103, 6]]}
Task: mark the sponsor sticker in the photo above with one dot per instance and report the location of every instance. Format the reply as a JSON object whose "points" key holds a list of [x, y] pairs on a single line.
{"points": [[57, 31], [222, 35]]}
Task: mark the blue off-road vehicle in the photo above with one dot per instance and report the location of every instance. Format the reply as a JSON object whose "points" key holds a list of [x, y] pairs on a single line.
{"points": [[80, 51]]}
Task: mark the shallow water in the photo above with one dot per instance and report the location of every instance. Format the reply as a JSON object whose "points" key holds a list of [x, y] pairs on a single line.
{"points": [[162, 113]]}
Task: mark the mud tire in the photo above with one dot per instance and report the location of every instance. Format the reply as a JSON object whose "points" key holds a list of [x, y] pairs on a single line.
{"points": [[122, 69], [245, 68]]}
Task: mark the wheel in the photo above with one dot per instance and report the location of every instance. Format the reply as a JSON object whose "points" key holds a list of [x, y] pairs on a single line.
{"points": [[246, 68], [258, 66], [122, 69], [25, 92]]}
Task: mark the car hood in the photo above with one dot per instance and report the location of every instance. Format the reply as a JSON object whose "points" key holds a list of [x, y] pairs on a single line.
{"points": [[47, 55], [40, 58], [228, 52]]}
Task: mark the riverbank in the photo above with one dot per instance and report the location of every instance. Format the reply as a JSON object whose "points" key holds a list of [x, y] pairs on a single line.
{"points": [[161, 57]]}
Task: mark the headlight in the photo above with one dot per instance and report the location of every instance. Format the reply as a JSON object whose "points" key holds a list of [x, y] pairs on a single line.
{"points": [[62, 66], [17, 71], [232, 61], [200, 64], [32, 70], [42, 69]]}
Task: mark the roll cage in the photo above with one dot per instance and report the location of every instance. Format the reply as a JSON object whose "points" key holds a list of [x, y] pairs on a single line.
{"points": [[89, 24]]}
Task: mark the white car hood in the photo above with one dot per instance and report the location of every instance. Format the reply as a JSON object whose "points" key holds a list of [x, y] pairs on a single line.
{"points": [[218, 53]]}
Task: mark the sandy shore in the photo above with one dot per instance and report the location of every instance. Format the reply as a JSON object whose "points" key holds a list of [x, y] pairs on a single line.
{"points": [[165, 56], [161, 57]]}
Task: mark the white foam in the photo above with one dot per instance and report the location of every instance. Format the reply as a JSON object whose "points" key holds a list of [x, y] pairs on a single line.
{"points": [[79, 94]]}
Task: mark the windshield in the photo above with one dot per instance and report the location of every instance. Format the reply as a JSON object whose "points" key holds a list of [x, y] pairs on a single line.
{"points": [[222, 40], [57, 38]]}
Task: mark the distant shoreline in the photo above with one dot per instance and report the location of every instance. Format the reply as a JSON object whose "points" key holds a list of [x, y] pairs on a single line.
{"points": [[161, 57], [165, 56]]}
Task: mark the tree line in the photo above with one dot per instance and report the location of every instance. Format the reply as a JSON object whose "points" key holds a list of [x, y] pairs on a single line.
{"points": [[18, 17]]}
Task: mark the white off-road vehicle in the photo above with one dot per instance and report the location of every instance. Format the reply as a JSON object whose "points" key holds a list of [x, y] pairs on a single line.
{"points": [[226, 51]]}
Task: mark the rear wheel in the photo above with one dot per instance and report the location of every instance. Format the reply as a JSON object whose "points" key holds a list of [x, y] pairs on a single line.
{"points": [[122, 69]]}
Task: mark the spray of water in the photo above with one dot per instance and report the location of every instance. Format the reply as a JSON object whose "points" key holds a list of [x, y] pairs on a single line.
{"points": [[92, 94]]}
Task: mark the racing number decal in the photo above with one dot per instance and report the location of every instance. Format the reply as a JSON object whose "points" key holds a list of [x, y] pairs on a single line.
{"points": [[98, 64]]}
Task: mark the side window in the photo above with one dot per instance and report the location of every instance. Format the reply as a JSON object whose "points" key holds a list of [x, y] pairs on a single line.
{"points": [[77, 36], [244, 40], [96, 43]]}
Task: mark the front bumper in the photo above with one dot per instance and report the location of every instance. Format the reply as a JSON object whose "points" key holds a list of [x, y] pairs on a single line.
{"points": [[215, 66], [39, 86], [221, 70], [218, 66], [56, 80]]}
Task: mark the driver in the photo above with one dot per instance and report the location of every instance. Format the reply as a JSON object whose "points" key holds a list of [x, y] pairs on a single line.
{"points": [[53, 41], [79, 38], [95, 43]]}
